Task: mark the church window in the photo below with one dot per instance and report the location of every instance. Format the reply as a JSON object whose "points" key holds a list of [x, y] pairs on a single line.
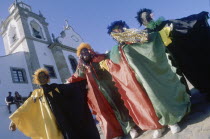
{"points": [[12, 35], [36, 29], [75, 38], [18, 75], [73, 63], [51, 71]]}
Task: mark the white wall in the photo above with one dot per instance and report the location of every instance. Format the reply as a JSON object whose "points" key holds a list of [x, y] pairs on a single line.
{"points": [[6, 43], [22, 47], [19, 49], [70, 38], [12, 23], [11, 8], [45, 57], [6, 83]]}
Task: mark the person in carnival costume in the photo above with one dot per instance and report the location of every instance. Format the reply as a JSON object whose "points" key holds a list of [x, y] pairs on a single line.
{"points": [[140, 68], [55, 111], [189, 47], [103, 96]]}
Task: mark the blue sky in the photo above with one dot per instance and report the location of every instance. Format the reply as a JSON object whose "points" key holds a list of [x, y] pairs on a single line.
{"points": [[90, 18]]}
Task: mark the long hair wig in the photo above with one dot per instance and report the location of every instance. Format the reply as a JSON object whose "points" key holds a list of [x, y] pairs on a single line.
{"points": [[143, 16], [81, 46], [36, 79]]}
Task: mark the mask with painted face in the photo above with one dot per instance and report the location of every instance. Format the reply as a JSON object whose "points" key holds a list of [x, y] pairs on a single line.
{"points": [[85, 55], [43, 78]]}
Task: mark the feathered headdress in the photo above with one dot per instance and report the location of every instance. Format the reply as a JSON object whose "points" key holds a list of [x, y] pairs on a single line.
{"points": [[36, 79], [114, 24], [143, 15], [81, 46]]}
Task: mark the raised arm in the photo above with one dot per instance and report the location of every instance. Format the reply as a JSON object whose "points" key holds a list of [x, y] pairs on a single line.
{"points": [[79, 75], [71, 88]]}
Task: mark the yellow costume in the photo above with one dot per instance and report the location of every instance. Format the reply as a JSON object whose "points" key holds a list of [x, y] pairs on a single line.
{"points": [[35, 119]]}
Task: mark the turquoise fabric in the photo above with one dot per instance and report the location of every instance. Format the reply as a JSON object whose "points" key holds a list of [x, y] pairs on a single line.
{"points": [[114, 55], [158, 77], [153, 24]]}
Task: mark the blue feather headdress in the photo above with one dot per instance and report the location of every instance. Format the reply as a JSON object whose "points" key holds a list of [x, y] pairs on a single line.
{"points": [[117, 24], [141, 19]]}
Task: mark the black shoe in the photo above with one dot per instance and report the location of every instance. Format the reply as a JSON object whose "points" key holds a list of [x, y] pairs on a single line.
{"points": [[10, 112]]}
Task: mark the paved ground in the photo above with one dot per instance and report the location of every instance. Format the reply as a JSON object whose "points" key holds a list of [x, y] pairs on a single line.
{"points": [[194, 126]]}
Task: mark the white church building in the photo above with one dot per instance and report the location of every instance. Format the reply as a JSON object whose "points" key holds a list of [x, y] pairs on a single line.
{"points": [[29, 46]]}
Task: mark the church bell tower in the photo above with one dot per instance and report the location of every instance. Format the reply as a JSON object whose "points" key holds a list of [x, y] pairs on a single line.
{"points": [[25, 31]]}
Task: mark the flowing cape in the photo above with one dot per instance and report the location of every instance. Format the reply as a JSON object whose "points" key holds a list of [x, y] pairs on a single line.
{"points": [[146, 67], [190, 48], [57, 111], [35, 119], [133, 94], [68, 103], [98, 102]]}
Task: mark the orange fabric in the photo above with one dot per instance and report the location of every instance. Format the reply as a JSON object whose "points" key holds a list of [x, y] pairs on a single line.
{"points": [[75, 78], [103, 111], [99, 105], [98, 57], [134, 96]]}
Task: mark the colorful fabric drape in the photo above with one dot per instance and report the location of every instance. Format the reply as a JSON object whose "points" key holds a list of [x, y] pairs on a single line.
{"points": [[190, 47], [68, 103], [104, 99], [147, 63], [57, 111], [35, 119]]}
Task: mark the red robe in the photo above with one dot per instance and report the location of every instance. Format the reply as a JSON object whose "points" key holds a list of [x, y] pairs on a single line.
{"points": [[133, 94], [99, 105]]}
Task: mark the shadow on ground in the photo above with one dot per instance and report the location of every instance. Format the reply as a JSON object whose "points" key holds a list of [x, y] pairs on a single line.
{"points": [[200, 109]]}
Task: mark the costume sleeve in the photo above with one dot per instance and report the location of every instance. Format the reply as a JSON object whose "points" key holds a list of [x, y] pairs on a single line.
{"points": [[22, 115], [68, 89], [164, 33], [75, 78], [79, 75]]}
